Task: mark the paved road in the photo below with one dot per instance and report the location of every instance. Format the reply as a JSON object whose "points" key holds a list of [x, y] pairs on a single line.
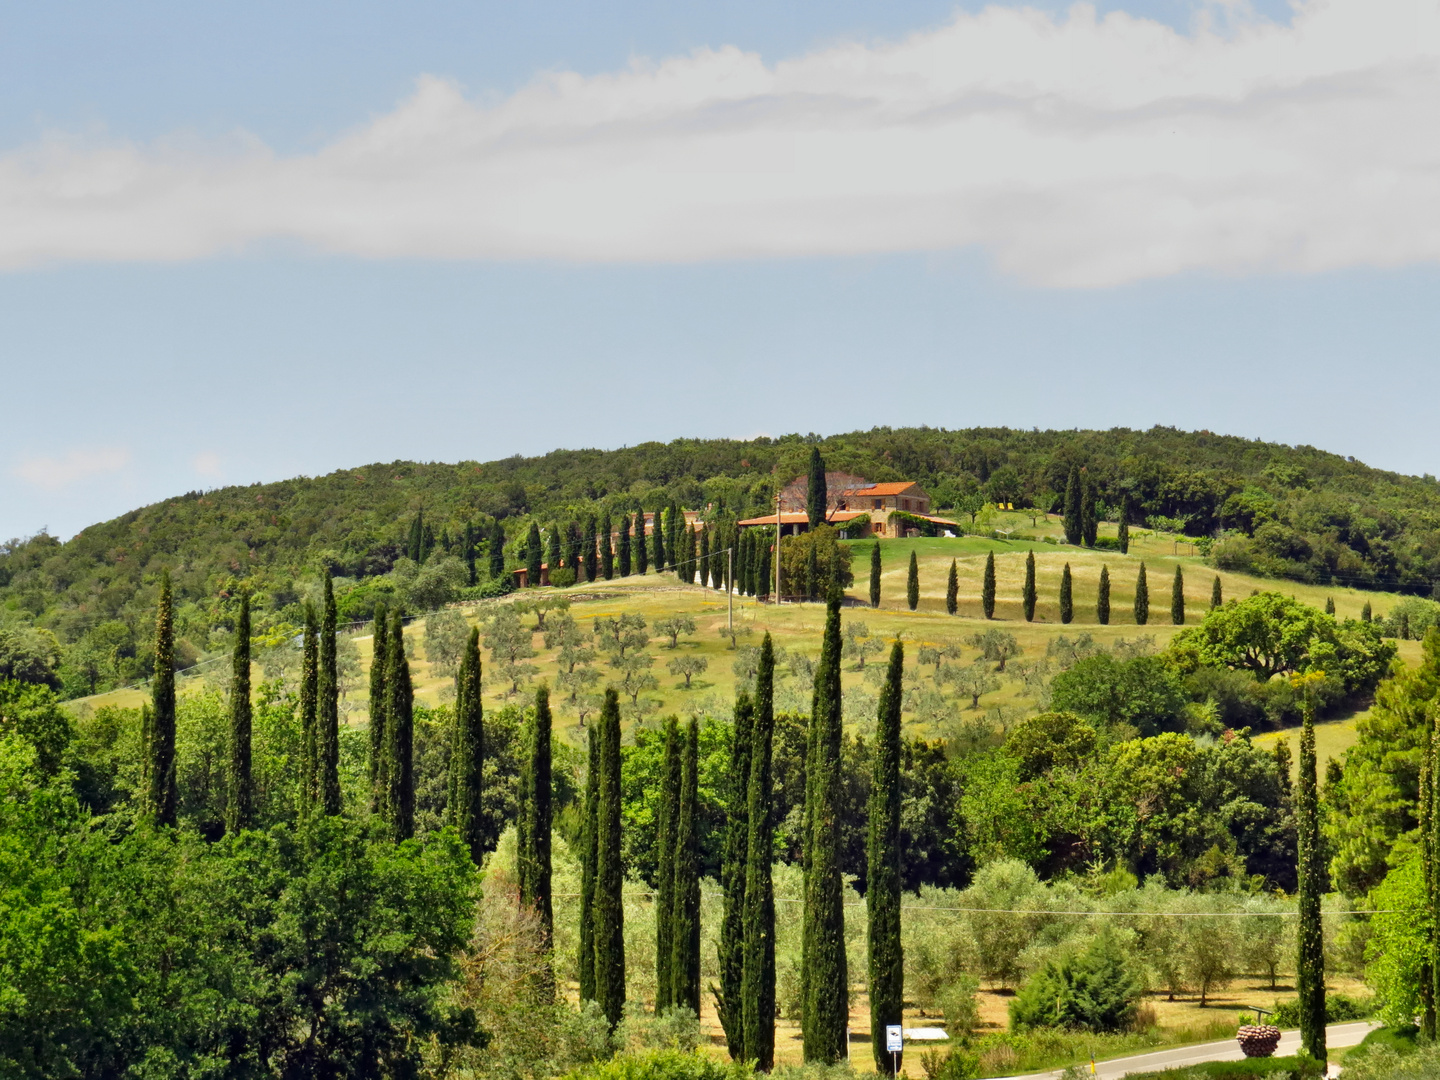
{"points": [[1336, 1037]]}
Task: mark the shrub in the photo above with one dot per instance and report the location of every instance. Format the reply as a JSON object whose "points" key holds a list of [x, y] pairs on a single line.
{"points": [[958, 1064], [1094, 990], [1338, 1009], [662, 1065], [562, 577]]}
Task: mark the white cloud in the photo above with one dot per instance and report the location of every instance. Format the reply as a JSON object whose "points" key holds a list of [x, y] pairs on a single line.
{"points": [[1078, 151], [78, 464], [206, 463]]}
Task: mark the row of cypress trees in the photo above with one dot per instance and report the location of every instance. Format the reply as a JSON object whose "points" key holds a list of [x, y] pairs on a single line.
{"points": [[601, 958], [1079, 518], [677, 908]]}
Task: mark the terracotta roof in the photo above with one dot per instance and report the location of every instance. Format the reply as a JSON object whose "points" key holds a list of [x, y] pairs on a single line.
{"points": [[899, 487], [837, 517]]}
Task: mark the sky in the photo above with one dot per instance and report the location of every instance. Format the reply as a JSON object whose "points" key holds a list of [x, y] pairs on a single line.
{"points": [[246, 241]]}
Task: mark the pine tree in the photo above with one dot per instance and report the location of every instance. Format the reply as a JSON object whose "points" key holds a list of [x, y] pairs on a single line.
{"points": [[240, 807], [497, 551], [758, 978], [642, 552], [912, 583], [1329, 605], [469, 554], [987, 587], [467, 752], [607, 553], [1365, 615], [1072, 520], [815, 495], [952, 589], [164, 795], [1142, 598], [534, 556], [608, 908], [657, 537], [1067, 594], [1102, 598], [1027, 594], [589, 842], [624, 545], [399, 736], [1177, 599], [825, 980], [1310, 980], [704, 558], [1216, 597], [732, 878], [535, 857], [666, 819], [1123, 532], [310, 711], [1089, 525], [685, 923], [883, 882], [592, 548], [327, 718], [379, 696], [875, 574]]}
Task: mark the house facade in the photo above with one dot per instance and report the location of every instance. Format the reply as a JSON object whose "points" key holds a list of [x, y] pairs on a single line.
{"points": [[877, 502]]}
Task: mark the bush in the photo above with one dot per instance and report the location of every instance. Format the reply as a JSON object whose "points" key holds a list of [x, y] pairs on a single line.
{"points": [[958, 1064], [1094, 990], [662, 1065], [1288, 1068], [1384, 1063], [1338, 1009], [562, 577], [1107, 543]]}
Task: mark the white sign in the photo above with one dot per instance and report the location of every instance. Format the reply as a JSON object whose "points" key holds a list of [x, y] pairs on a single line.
{"points": [[894, 1040]]}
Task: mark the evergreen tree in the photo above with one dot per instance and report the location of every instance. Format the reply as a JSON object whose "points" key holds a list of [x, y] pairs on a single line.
{"points": [[608, 908], [732, 878], [379, 696], [704, 558], [1424, 813], [674, 526], [1102, 598], [642, 552], [164, 794], [666, 819], [815, 495], [657, 537], [1027, 594], [469, 554], [987, 587], [535, 857], [1123, 533], [467, 752], [624, 552], [813, 584], [1365, 612], [912, 583], [883, 881], [415, 549], [1310, 978], [1142, 598], [607, 553], [1433, 837], [685, 923], [765, 576], [327, 719], [1074, 528], [875, 574], [1177, 598], [399, 735], [1216, 597], [240, 806], [741, 569], [1089, 524], [592, 549], [534, 556], [826, 983], [554, 546], [1067, 594], [497, 551], [1329, 605], [758, 980], [589, 842], [310, 711], [952, 589]]}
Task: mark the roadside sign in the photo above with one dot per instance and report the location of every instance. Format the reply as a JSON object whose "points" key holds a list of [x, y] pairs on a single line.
{"points": [[894, 1039]]}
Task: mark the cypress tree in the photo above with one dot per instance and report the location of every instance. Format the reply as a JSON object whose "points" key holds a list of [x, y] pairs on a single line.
{"points": [[758, 979], [535, 858], [592, 550], [607, 553], [815, 495], [589, 842], [882, 881], [1177, 599], [1310, 980], [1123, 533], [1074, 530], [415, 549], [534, 556], [164, 795], [666, 819], [310, 712], [1365, 612], [1329, 605], [685, 924], [497, 551], [764, 575], [1142, 598], [327, 721], [240, 807], [912, 583], [467, 752], [642, 553], [1102, 598], [1067, 594], [1089, 525], [608, 909], [1027, 594], [1424, 813], [674, 526], [952, 589], [704, 558], [399, 736], [147, 764], [875, 574], [657, 536], [813, 585], [1434, 845], [554, 547], [722, 550], [379, 696], [624, 545], [742, 569], [1216, 597], [470, 574], [987, 587], [732, 879], [826, 982]]}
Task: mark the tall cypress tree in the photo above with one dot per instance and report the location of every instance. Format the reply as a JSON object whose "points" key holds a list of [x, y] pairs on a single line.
{"points": [[987, 587], [310, 711], [875, 574], [607, 553], [592, 548], [1142, 598], [1216, 596], [1027, 594], [1089, 524], [1434, 844], [415, 549], [535, 858], [815, 494], [657, 538], [685, 924], [1310, 978], [1177, 599], [765, 577], [1122, 535], [758, 978], [554, 546], [1102, 598], [882, 881], [732, 878], [1067, 594], [624, 554], [469, 554], [742, 569], [826, 980], [240, 807], [1074, 528], [1424, 814], [704, 559], [164, 795], [327, 719], [642, 552], [912, 583], [666, 819], [399, 735], [467, 752], [379, 697], [952, 589], [497, 551], [534, 556], [608, 908], [589, 843], [674, 526]]}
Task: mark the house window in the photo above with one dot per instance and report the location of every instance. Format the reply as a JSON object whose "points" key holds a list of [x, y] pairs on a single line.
{"points": [[879, 504]]}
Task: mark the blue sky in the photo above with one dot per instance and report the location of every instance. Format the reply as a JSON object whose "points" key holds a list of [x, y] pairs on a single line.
{"points": [[461, 304]]}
